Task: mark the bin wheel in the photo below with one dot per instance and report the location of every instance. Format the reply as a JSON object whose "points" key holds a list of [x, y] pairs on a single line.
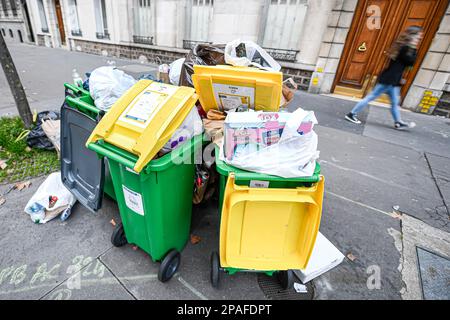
{"points": [[118, 238], [215, 269], [169, 266], [286, 279]]}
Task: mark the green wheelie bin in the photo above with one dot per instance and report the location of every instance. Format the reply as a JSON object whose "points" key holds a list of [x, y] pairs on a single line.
{"points": [[241, 178], [154, 195]]}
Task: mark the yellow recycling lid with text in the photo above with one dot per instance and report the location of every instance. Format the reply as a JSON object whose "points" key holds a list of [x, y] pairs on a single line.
{"points": [[269, 228], [145, 118], [227, 87]]}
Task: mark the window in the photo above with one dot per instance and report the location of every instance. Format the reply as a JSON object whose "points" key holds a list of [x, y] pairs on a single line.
{"points": [[73, 18], [143, 21], [20, 35], [5, 8], [3, 31], [100, 19], [201, 15], [13, 5], [42, 16], [284, 24], [11, 34]]}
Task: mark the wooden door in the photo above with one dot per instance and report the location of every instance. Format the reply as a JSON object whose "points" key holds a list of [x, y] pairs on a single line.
{"points": [[59, 18], [359, 69]]}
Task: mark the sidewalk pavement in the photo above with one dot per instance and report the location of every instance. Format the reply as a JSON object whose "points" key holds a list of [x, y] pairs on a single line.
{"points": [[368, 169]]}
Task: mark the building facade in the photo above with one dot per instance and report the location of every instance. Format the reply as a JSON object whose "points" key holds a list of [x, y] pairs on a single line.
{"points": [[327, 46], [15, 24]]}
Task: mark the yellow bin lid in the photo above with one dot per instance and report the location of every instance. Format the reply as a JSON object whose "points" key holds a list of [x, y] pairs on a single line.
{"points": [[269, 228], [145, 118], [226, 87]]}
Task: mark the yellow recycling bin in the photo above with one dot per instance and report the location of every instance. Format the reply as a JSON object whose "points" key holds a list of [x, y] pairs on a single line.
{"points": [[267, 229], [226, 87], [145, 118]]}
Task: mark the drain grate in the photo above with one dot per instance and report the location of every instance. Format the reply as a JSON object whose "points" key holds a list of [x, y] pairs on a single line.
{"points": [[273, 290], [434, 272]]}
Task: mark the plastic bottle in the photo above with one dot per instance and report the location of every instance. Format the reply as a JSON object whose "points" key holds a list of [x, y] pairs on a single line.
{"points": [[37, 212], [66, 213], [77, 80]]}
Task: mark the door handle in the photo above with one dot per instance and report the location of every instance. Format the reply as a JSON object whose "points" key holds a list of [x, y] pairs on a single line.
{"points": [[362, 47]]}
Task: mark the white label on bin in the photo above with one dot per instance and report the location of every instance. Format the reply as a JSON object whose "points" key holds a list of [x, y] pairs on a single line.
{"points": [[144, 107], [259, 184], [133, 200], [231, 97]]}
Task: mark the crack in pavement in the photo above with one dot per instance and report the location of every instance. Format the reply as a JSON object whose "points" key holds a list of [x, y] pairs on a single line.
{"points": [[435, 182]]}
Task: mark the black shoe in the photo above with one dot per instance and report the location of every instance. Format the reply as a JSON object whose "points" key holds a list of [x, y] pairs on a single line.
{"points": [[352, 118], [404, 125]]}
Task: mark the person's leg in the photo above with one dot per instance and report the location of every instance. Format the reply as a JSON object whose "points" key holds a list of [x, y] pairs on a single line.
{"points": [[394, 95], [376, 92]]}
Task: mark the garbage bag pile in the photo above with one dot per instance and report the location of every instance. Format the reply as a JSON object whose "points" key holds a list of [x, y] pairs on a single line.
{"points": [[37, 137]]}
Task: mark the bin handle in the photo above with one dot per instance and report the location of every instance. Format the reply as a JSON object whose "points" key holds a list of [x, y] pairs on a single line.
{"points": [[232, 181], [76, 89], [253, 176], [85, 106], [111, 155]]}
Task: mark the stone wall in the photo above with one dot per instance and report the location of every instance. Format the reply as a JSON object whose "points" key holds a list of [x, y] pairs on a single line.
{"points": [[301, 77], [154, 55]]}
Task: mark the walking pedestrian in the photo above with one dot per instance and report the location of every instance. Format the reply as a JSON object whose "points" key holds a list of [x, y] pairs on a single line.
{"points": [[402, 54]]}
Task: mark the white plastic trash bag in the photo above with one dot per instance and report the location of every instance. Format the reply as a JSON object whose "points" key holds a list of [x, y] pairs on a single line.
{"points": [[247, 53], [107, 85], [175, 71], [294, 155], [50, 200], [191, 126]]}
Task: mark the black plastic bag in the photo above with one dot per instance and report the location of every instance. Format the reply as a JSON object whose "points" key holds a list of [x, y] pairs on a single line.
{"points": [[37, 137], [203, 54]]}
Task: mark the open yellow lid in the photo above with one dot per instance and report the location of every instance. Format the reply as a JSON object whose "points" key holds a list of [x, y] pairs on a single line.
{"points": [[145, 118], [269, 228], [227, 87]]}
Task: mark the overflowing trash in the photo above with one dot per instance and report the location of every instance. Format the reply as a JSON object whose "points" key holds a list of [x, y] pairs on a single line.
{"points": [[213, 124], [50, 200], [247, 53], [265, 166], [192, 126], [175, 71], [281, 144], [202, 54], [107, 85]]}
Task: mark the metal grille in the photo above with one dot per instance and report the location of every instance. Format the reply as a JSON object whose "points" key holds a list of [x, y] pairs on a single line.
{"points": [[76, 32], [143, 40], [272, 289], [102, 35], [283, 54]]}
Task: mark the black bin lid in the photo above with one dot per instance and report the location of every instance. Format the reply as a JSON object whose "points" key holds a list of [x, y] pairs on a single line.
{"points": [[82, 171]]}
